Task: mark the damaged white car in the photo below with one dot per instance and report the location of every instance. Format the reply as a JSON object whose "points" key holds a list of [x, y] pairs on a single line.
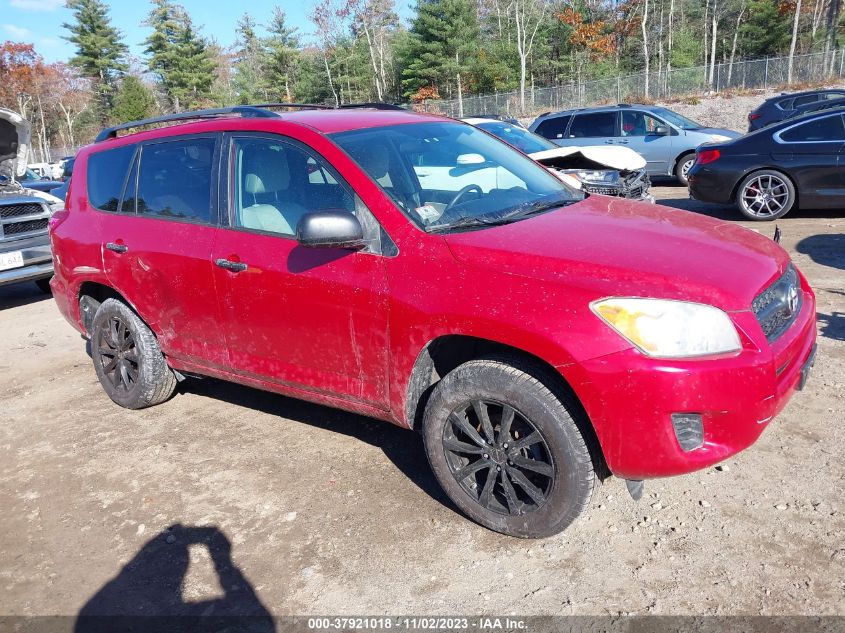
{"points": [[610, 171], [24, 213]]}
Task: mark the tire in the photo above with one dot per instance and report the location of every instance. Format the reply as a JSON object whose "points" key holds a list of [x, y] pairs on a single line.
{"points": [[561, 469], [44, 285], [682, 167], [139, 376], [765, 195]]}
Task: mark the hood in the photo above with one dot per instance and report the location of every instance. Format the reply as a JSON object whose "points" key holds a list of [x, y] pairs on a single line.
{"points": [[14, 144], [718, 131], [616, 247], [592, 157]]}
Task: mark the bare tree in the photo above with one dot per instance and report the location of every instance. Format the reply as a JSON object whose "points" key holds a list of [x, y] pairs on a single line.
{"points": [[325, 18], [644, 27], [795, 20], [527, 16]]}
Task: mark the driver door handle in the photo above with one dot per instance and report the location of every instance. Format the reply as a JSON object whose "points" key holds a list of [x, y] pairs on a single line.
{"points": [[117, 248], [231, 266]]}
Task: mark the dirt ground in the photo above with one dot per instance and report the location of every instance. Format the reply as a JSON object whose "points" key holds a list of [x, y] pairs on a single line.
{"points": [[230, 496]]}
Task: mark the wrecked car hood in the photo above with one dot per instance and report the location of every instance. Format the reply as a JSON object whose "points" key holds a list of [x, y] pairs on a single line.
{"points": [[592, 157], [14, 144], [617, 247]]}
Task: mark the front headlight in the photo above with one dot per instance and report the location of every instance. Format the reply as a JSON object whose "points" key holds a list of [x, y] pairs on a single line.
{"points": [[669, 329], [598, 176]]}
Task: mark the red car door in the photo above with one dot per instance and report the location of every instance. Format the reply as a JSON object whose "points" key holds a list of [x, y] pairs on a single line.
{"points": [[157, 245], [314, 319]]}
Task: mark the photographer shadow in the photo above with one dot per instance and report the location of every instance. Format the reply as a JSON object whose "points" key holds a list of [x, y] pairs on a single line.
{"points": [[147, 594]]}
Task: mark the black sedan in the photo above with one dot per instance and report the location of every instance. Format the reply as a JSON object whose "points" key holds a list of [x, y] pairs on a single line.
{"points": [[786, 105], [768, 172]]}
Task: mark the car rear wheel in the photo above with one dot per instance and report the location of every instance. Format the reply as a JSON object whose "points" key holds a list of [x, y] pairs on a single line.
{"points": [[127, 358], [507, 449], [685, 163], [765, 195]]}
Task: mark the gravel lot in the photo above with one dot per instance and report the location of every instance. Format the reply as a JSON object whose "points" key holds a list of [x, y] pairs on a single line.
{"points": [[327, 512]]}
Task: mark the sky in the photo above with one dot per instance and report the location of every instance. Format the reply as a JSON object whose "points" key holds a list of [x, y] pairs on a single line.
{"points": [[39, 22]]}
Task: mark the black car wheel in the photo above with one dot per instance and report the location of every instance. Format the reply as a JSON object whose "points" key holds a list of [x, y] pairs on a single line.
{"points": [[507, 450], [127, 358], [685, 163], [765, 195]]}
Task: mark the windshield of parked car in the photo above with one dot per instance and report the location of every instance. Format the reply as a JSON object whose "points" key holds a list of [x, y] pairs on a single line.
{"points": [[677, 120], [31, 175], [520, 138], [451, 176]]}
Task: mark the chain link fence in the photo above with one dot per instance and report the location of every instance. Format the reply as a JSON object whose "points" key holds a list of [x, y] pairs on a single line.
{"points": [[662, 85]]}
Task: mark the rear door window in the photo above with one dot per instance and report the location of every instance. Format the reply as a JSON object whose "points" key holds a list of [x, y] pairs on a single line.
{"points": [[175, 179], [829, 128], [107, 175], [554, 127], [593, 125], [804, 100]]}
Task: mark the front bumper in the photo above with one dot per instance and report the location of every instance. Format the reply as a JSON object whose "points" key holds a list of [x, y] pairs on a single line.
{"points": [[37, 260], [630, 397]]}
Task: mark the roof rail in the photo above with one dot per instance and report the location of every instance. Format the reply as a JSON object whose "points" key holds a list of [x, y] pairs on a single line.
{"points": [[375, 105], [244, 111], [258, 110]]}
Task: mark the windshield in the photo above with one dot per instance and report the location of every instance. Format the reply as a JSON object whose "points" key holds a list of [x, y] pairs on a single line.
{"points": [[520, 138], [31, 175], [677, 120], [449, 175]]}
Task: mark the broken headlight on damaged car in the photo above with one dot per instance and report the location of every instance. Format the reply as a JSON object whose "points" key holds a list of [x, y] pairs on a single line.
{"points": [[612, 182]]}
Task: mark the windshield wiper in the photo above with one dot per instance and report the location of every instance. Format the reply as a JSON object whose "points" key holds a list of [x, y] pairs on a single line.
{"points": [[514, 215]]}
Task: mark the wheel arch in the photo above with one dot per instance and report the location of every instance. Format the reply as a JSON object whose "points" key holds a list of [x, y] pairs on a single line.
{"points": [[446, 352], [679, 157], [92, 294]]}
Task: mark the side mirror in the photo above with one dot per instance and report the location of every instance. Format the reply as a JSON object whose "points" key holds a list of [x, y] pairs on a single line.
{"points": [[662, 130], [330, 229], [470, 159]]}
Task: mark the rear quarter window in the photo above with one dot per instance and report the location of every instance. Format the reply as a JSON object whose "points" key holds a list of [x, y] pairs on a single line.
{"points": [[554, 127], [106, 176], [175, 179]]}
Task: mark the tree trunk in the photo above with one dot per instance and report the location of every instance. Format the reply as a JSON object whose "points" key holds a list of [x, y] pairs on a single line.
{"points": [[733, 46], [329, 75], [713, 45], [831, 28], [706, 32], [644, 25], [794, 41], [460, 96]]}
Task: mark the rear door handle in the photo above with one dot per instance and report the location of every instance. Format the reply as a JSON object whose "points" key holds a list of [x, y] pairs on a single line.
{"points": [[229, 265], [117, 248], [608, 142], [623, 142]]}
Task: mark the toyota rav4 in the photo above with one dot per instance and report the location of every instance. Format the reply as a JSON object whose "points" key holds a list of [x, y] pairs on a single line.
{"points": [[537, 338]]}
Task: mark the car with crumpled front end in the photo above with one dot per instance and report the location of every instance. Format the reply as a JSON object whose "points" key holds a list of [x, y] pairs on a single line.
{"points": [[609, 171]]}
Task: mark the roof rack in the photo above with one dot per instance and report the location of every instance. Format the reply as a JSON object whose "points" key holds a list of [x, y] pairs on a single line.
{"points": [[244, 111], [258, 111]]}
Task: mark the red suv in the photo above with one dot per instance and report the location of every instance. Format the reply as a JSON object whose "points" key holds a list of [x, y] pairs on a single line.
{"points": [[416, 269]]}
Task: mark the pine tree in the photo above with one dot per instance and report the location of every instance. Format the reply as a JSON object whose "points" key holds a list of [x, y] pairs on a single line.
{"points": [[767, 31], [179, 56], [443, 48], [282, 57], [133, 101], [249, 80], [100, 51]]}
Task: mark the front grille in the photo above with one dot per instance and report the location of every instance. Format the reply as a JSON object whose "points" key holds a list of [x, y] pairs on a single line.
{"points": [[17, 228], [17, 210], [778, 305], [22, 219], [603, 191]]}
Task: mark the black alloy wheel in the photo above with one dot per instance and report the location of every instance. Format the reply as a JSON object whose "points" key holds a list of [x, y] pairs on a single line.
{"points": [[498, 457]]}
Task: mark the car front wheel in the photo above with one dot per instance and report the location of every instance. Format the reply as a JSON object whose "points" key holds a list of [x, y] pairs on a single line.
{"points": [[765, 195], [506, 448], [127, 358], [685, 163]]}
